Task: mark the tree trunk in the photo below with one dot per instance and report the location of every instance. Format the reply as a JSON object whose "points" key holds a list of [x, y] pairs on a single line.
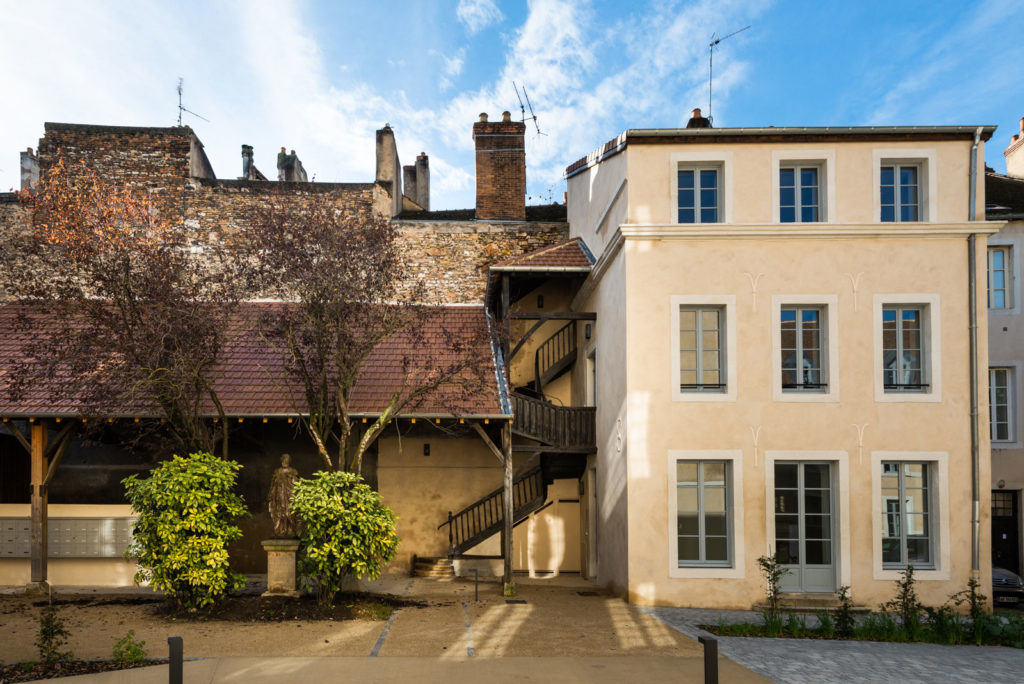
{"points": [[506, 551]]}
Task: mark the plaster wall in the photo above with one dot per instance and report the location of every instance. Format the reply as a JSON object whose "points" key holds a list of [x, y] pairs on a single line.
{"points": [[759, 428], [851, 168], [597, 202]]}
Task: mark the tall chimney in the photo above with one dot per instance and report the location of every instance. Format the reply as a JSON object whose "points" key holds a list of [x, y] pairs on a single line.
{"points": [[423, 180], [1014, 154], [500, 168], [698, 121], [29, 169], [389, 169], [409, 182], [247, 168]]}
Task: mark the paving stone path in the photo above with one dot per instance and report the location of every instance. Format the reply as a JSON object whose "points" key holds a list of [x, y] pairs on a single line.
{"points": [[818, 660]]}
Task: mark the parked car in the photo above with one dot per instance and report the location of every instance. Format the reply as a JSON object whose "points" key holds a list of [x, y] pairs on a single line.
{"points": [[1007, 587]]}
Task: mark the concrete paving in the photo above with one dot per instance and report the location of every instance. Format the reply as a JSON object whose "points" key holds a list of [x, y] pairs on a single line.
{"points": [[817, 660]]}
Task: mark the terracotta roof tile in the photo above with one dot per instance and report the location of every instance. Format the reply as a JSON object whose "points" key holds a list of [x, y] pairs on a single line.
{"points": [[572, 253], [251, 378]]}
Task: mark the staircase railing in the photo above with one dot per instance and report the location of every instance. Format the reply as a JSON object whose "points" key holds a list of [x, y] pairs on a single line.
{"points": [[554, 354], [561, 426], [485, 517]]}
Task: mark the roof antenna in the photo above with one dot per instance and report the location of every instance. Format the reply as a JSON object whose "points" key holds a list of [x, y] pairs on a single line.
{"points": [[522, 109], [715, 40], [181, 108]]}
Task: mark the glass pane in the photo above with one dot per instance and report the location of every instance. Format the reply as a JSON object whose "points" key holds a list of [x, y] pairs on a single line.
{"points": [[809, 214], [689, 524], [708, 198], [714, 474], [888, 214], [787, 215], [816, 501], [788, 552], [687, 319], [908, 213], [687, 216], [786, 177], [689, 549], [708, 179], [688, 377], [785, 476], [709, 215], [818, 526], [919, 551], [716, 549], [888, 195], [711, 360], [714, 498], [888, 175], [787, 527], [711, 377], [891, 551], [998, 279], [687, 339], [808, 197], [709, 320], [687, 359], [685, 179], [818, 552], [686, 472], [714, 524], [710, 340], [808, 177], [917, 524], [998, 300], [908, 175], [786, 501], [908, 195], [816, 476], [787, 197], [686, 198], [997, 258], [686, 499]]}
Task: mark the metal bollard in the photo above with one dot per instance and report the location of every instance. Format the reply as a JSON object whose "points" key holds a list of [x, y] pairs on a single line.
{"points": [[710, 659], [176, 657]]}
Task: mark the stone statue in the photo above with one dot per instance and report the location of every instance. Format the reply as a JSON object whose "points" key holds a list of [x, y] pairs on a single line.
{"points": [[279, 500]]}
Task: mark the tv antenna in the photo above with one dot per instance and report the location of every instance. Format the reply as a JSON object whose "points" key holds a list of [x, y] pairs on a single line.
{"points": [[715, 40], [522, 109], [181, 108]]}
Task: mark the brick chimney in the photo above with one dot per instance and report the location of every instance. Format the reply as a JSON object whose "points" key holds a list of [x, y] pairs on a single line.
{"points": [[500, 168], [29, 169], [698, 121], [1014, 154], [423, 180]]}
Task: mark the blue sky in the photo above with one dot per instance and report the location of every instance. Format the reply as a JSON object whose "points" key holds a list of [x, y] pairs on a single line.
{"points": [[320, 77]]}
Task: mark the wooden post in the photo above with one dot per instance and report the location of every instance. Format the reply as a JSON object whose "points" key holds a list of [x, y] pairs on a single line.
{"points": [[506, 448], [40, 466]]}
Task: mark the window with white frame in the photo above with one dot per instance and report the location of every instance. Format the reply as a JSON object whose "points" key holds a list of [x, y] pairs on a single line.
{"points": [[906, 507], [1000, 272], [699, 194], [904, 348], [799, 193], [802, 345], [702, 349], [703, 513], [900, 192], [1001, 405]]}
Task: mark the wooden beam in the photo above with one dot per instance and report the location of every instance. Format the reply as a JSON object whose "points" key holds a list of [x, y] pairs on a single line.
{"points": [[20, 436], [523, 340], [506, 577], [40, 499], [487, 440], [57, 451], [554, 316], [61, 436]]}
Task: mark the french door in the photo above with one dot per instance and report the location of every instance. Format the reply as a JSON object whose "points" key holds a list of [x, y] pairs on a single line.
{"points": [[804, 526]]}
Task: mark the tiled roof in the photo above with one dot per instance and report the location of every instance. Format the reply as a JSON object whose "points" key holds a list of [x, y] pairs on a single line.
{"points": [[572, 254], [251, 378]]}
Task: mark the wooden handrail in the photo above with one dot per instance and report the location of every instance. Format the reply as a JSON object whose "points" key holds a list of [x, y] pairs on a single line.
{"points": [[563, 426]]}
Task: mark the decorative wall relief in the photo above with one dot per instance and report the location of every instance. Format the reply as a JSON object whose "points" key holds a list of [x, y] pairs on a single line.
{"points": [[753, 287], [860, 442], [855, 284]]}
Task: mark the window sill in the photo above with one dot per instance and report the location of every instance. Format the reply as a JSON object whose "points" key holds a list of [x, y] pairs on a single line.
{"points": [[923, 575], [706, 572]]}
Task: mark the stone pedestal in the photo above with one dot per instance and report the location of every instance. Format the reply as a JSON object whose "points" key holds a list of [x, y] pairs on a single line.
{"points": [[281, 567]]}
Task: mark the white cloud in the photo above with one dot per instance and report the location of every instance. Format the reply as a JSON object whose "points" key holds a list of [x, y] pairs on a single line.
{"points": [[478, 14]]}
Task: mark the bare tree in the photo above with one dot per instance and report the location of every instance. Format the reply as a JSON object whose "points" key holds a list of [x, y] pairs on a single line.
{"points": [[135, 313], [350, 306]]}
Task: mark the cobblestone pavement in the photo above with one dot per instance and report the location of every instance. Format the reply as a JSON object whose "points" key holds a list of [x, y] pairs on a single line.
{"points": [[817, 660]]}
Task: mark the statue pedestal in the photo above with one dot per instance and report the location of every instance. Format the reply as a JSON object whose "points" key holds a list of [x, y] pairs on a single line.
{"points": [[281, 567]]}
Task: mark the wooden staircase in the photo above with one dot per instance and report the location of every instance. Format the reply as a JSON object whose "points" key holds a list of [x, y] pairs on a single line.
{"points": [[554, 356], [562, 427], [484, 518]]}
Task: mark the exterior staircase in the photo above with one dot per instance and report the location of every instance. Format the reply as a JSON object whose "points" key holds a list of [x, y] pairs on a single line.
{"points": [[554, 356], [434, 568], [561, 427]]}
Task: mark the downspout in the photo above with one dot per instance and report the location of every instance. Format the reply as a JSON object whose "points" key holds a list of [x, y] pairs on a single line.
{"points": [[972, 289]]}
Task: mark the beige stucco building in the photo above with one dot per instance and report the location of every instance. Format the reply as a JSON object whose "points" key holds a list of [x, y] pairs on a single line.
{"points": [[781, 360]]}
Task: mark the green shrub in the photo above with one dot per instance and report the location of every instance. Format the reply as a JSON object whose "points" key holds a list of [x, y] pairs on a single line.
{"points": [[796, 625], [128, 650], [186, 512], [906, 605], [346, 530], [772, 571], [53, 635], [843, 614], [826, 628], [879, 627]]}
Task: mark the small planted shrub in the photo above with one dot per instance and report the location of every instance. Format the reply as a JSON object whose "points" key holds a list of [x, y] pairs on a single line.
{"points": [[346, 530], [773, 572], [128, 650], [826, 628], [906, 605], [843, 615], [186, 512], [53, 636]]}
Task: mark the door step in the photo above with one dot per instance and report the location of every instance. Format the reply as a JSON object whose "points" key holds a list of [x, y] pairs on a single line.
{"points": [[435, 568], [809, 603]]}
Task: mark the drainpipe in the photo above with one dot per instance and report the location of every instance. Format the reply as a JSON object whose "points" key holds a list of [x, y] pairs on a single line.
{"points": [[972, 289]]}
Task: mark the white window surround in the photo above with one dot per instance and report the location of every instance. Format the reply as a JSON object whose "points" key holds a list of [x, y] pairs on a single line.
{"points": [[738, 569], [720, 158], [931, 339], [938, 465], [830, 305], [1014, 243], [928, 184], [728, 302], [826, 160], [1016, 387], [841, 460]]}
